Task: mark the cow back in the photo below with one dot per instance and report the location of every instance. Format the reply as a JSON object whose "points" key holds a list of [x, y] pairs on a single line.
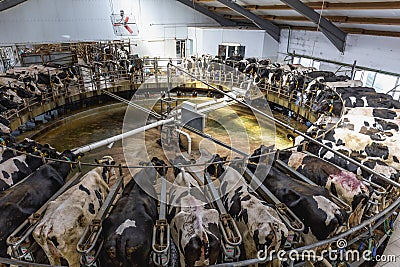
{"points": [[128, 227], [19, 202]]}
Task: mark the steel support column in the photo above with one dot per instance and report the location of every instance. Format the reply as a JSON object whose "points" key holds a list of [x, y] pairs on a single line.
{"points": [[263, 24], [6, 4], [221, 20], [332, 32]]}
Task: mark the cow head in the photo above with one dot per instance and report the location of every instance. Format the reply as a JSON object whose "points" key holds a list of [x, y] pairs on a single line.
{"points": [[68, 155], [108, 169], [28, 145], [4, 121], [4, 129], [48, 152], [260, 154], [216, 168], [179, 160], [159, 166], [6, 140]]}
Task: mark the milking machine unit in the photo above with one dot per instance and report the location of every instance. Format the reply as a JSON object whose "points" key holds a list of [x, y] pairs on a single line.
{"points": [[230, 233], [231, 236], [161, 242], [91, 242], [161, 230]]}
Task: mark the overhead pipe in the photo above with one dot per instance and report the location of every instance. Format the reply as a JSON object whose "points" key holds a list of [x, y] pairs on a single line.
{"points": [[189, 140], [119, 137]]}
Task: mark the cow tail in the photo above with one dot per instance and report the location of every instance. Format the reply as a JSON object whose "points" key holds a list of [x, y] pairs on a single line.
{"points": [[205, 250]]}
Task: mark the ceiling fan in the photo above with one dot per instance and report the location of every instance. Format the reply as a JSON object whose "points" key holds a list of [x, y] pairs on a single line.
{"points": [[123, 21]]}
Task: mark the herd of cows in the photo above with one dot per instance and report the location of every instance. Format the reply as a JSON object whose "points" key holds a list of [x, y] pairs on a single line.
{"points": [[337, 196], [35, 81]]}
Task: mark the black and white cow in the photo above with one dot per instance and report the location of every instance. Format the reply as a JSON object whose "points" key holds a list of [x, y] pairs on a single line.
{"points": [[15, 169], [366, 97], [360, 124], [4, 121], [371, 144], [382, 113], [19, 202], [4, 129], [329, 105], [66, 217], [378, 165], [10, 149], [341, 183], [328, 155], [312, 204], [259, 222], [375, 163], [127, 231], [194, 224], [7, 103]]}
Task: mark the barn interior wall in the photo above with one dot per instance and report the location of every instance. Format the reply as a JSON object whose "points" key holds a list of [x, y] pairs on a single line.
{"points": [[159, 22], [257, 43], [376, 52]]}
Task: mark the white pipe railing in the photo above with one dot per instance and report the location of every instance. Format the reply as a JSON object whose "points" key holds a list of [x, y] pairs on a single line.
{"points": [[189, 140], [119, 137]]}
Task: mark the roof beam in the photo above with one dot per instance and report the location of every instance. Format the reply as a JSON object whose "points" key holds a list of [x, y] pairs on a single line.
{"points": [[354, 31], [6, 4], [332, 32], [319, 5], [268, 26], [337, 19], [218, 18]]}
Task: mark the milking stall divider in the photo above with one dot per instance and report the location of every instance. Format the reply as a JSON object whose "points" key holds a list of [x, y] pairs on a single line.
{"points": [[90, 243]]}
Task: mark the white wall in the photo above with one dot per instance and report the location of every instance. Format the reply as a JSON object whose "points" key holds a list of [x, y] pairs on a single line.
{"points": [[160, 22], [370, 51], [56, 21], [270, 48], [258, 43]]}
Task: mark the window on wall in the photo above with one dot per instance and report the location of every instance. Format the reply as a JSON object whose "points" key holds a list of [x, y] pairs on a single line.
{"points": [[307, 62], [384, 83], [316, 64], [231, 50], [358, 75], [180, 48], [396, 92]]}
